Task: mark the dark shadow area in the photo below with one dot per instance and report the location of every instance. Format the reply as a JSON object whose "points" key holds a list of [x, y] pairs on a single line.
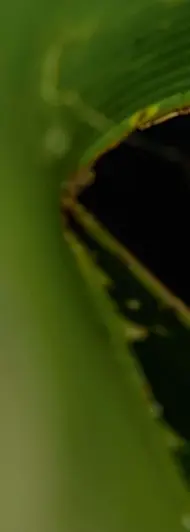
{"points": [[141, 194]]}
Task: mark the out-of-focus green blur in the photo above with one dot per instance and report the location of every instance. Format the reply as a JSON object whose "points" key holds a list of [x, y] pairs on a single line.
{"points": [[79, 450]]}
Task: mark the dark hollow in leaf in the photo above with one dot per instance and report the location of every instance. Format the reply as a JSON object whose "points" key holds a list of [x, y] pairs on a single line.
{"points": [[141, 194]]}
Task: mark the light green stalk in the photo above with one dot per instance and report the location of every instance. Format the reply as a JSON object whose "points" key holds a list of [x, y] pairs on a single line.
{"points": [[79, 450]]}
